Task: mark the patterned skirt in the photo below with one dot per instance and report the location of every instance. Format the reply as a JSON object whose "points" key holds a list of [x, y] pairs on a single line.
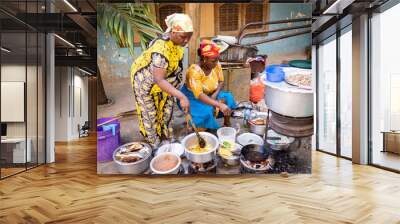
{"points": [[154, 106]]}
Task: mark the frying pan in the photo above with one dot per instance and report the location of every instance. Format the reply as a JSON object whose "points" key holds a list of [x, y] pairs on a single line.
{"points": [[254, 153]]}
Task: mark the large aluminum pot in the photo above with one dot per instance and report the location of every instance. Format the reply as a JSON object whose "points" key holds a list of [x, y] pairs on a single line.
{"points": [[136, 167], [191, 140], [288, 100]]}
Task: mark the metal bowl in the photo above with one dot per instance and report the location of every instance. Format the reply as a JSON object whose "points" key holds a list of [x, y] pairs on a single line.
{"points": [[137, 167], [191, 140], [160, 158], [250, 138], [281, 144], [257, 128], [233, 160]]}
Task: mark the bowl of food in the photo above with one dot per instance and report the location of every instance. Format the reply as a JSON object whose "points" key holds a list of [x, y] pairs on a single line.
{"points": [[258, 126], [133, 157], [230, 153], [195, 153], [301, 80], [165, 163]]}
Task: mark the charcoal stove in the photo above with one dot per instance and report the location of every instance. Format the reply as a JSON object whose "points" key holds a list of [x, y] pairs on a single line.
{"points": [[291, 126], [256, 168], [203, 168]]}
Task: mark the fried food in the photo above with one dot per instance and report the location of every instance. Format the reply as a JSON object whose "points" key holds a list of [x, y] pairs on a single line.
{"points": [[299, 80], [258, 121], [127, 158], [135, 146]]}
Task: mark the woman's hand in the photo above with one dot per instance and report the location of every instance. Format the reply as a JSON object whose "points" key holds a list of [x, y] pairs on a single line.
{"points": [[185, 105], [214, 96], [224, 109]]}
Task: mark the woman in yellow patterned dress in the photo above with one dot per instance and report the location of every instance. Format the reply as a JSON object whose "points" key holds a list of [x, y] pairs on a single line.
{"points": [[156, 74]]}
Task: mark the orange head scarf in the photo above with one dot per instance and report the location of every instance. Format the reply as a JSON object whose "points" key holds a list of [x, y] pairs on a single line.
{"points": [[209, 49]]}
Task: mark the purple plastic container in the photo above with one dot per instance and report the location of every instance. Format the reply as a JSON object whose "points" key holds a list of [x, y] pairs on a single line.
{"points": [[107, 142]]}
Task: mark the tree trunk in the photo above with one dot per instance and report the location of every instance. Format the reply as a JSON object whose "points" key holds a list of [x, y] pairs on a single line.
{"points": [[101, 94]]}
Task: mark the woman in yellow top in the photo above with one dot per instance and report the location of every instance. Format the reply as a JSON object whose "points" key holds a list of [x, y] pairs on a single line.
{"points": [[156, 75], [203, 87]]}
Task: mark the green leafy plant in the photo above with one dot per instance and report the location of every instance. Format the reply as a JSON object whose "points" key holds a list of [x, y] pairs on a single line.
{"points": [[123, 20]]}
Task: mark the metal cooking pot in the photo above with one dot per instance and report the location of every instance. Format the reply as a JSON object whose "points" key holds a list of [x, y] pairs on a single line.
{"points": [[257, 129], [191, 140], [254, 153], [233, 160], [289, 100], [137, 167]]}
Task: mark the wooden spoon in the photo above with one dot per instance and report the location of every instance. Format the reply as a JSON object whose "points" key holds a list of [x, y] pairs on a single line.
{"points": [[202, 142]]}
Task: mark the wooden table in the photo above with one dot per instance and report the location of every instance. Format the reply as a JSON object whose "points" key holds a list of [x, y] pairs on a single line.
{"points": [[391, 141]]}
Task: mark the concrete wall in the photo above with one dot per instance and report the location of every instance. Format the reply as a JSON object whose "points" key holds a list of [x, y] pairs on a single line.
{"points": [[288, 48]]}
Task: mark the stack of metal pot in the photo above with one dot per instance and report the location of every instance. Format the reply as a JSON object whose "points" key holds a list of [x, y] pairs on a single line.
{"points": [[291, 109]]}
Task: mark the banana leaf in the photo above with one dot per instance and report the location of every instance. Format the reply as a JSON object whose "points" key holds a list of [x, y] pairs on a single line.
{"points": [[125, 20]]}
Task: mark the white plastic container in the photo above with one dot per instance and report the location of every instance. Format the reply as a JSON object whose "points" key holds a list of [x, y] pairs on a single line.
{"points": [[226, 134]]}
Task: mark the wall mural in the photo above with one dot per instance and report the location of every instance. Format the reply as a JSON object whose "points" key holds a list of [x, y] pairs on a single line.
{"points": [[204, 95]]}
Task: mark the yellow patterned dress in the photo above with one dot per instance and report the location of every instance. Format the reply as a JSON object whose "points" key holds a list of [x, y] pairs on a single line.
{"points": [[154, 106]]}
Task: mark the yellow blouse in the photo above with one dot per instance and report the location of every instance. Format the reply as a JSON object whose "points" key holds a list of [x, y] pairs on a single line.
{"points": [[162, 53], [198, 82]]}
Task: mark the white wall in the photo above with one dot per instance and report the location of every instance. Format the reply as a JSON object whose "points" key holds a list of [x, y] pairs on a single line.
{"points": [[33, 126], [71, 87], [62, 80]]}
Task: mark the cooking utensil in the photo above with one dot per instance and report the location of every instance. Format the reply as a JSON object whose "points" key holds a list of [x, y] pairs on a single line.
{"points": [[160, 158], [202, 142], [227, 134], [137, 167], [249, 138], [258, 129], [234, 159], [273, 138], [281, 143], [191, 140], [254, 153], [288, 100]]}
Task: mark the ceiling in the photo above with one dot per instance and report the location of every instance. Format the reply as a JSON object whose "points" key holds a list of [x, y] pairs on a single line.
{"points": [[74, 22]]}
